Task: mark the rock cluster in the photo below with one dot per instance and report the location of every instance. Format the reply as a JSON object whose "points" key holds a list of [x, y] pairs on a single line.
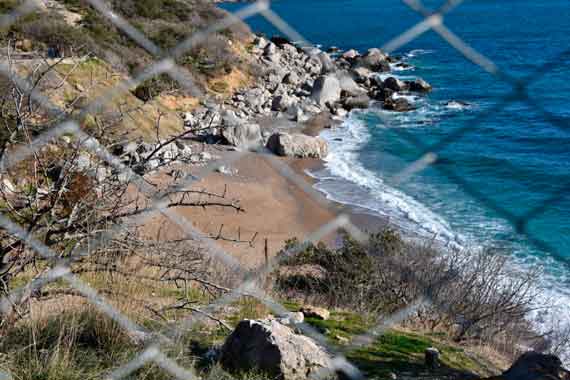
{"points": [[296, 84]]}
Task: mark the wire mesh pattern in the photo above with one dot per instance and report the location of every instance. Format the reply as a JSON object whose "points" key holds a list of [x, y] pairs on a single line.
{"points": [[166, 64]]}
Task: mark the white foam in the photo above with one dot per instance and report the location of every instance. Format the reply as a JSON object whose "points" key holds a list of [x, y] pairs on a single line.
{"points": [[343, 162], [416, 52], [347, 180], [455, 105]]}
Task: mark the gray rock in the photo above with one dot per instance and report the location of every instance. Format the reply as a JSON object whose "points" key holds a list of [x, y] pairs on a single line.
{"points": [[239, 133], [394, 84], [291, 78], [297, 145], [281, 103], [360, 101], [350, 54], [418, 85], [290, 49], [398, 105], [348, 86], [374, 60], [246, 136], [360, 74], [326, 90], [260, 42], [327, 65], [271, 53], [275, 349], [270, 49]]}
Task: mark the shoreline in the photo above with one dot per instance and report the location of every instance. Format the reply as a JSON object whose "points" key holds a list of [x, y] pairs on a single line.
{"points": [[276, 208]]}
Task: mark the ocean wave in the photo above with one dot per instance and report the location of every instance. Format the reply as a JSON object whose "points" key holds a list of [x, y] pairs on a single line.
{"points": [[361, 187], [416, 52], [346, 180]]}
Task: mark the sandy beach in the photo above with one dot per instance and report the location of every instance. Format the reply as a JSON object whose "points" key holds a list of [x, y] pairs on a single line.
{"points": [[276, 209]]}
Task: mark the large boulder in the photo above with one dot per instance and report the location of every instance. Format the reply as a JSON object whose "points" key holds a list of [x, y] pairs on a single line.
{"points": [[360, 101], [418, 85], [536, 366], [240, 133], [326, 90], [394, 84], [327, 64], [297, 145], [398, 104], [270, 347], [374, 60], [361, 74], [348, 86]]}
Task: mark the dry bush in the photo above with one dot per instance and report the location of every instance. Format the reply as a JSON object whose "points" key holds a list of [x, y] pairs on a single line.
{"points": [[473, 294]]}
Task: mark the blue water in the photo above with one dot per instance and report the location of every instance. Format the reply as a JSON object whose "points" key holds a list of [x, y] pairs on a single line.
{"points": [[494, 165]]}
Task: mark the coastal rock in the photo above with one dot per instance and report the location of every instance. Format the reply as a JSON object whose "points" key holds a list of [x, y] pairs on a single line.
{"points": [[394, 84], [326, 90], [275, 349], [350, 54], [327, 65], [281, 103], [382, 94], [374, 60], [271, 53], [291, 78], [418, 85], [360, 74], [398, 104], [260, 42], [360, 101], [297, 145], [348, 86]]}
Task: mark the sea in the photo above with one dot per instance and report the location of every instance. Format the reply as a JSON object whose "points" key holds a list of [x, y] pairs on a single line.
{"points": [[501, 178]]}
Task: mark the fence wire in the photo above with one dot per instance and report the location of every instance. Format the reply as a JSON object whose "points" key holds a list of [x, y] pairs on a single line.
{"points": [[165, 63]]}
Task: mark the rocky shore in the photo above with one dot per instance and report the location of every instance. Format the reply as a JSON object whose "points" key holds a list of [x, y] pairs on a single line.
{"points": [[299, 92]]}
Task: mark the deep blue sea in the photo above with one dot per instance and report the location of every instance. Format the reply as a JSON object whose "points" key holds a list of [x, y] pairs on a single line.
{"points": [[496, 165]]}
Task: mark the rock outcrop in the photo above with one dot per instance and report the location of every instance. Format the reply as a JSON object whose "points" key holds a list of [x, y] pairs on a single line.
{"points": [[535, 366], [297, 145], [275, 349]]}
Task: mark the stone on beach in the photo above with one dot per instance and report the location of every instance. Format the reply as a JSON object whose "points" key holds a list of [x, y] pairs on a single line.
{"points": [[297, 145]]}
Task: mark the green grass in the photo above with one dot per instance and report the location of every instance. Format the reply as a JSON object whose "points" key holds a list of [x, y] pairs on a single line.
{"points": [[394, 351]]}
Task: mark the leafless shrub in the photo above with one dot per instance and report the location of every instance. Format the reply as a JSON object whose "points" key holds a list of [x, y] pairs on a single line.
{"points": [[473, 294]]}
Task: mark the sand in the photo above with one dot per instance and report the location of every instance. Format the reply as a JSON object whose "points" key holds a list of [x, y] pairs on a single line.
{"points": [[276, 208]]}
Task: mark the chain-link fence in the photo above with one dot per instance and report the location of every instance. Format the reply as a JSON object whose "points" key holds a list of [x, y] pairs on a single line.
{"points": [[160, 204]]}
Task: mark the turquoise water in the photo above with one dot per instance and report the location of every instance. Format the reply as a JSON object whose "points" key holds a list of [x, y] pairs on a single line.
{"points": [[495, 166]]}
